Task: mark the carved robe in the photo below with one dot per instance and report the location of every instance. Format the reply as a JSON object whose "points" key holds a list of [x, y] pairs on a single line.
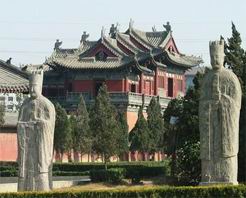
{"points": [[35, 144], [219, 111]]}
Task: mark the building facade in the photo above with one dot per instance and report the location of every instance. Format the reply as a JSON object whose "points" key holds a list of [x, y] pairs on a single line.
{"points": [[135, 65]]}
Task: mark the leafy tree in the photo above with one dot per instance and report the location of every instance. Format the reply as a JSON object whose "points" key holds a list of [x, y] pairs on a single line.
{"points": [[235, 59], [104, 126], [82, 136], [139, 136], [62, 136], [156, 125], [122, 137], [186, 130]]}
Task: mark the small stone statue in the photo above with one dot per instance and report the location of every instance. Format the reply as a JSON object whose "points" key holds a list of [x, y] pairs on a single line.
{"points": [[168, 27], [113, 30], [35, 133], [84, 37], [57, 44], [219, 110]]}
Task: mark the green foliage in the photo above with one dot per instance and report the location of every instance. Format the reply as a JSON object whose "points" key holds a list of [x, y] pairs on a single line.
{"points": [[104, 126], [156, 126], [62, 136], [236, 60], [82, 133], [144, 169], [2, 113], [139, 136], [189, 164], [184, 132], [112, 175], [122, 137], [153, 192]]}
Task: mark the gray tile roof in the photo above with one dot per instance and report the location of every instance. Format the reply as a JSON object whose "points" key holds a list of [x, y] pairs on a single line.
{"points": [[12, 79], [153, 42]]}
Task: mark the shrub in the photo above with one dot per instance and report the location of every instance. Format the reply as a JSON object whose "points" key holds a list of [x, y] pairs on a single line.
{"points": [[113, 175]]}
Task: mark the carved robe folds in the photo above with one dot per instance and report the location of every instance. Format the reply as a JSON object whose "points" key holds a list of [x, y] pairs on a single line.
{"points": [[35, 144], [219, 111]]}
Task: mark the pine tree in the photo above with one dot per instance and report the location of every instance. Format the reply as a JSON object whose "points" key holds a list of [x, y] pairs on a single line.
{"points": [[62, 130], [236, 60], [155, 125], [122, 134], [139, 136], [83, 137], [104, 126], [2, 114]]}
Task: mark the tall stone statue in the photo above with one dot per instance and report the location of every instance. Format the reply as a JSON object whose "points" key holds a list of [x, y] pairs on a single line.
{"points": [[35, 134], [219, 111]]}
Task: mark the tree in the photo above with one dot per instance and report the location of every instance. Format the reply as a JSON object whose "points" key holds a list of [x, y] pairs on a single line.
{"points": [[104, 126], [235, 59], [156, 126], [122, 137], [62, 136], [2, 114], [139, 136], [82, 134], [185, 133]]}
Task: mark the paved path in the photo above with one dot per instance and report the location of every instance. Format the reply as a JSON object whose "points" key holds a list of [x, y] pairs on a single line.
{"points": [[9, 184]]}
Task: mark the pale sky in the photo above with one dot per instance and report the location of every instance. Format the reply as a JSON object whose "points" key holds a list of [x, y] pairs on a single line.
{"points": [[29, 28]]}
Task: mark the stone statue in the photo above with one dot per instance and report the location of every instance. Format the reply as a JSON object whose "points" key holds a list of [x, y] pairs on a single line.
{"points": [[35, 133], [219, 111]]}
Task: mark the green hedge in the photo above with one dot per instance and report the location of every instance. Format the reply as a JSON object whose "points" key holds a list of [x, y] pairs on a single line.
{"points": [[143, 169], [113, 175], [145, 192]]}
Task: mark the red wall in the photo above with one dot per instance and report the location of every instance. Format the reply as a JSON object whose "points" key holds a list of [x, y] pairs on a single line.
{"points": [[8, 146], [115, 85], [83, 85]]}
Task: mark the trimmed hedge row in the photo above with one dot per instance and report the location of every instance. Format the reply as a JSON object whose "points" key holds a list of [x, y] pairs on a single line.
{"points": [[113, 175], [142, 169], [154, 192]]}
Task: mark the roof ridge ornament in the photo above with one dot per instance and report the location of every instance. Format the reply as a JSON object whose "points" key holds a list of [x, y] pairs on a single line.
{"points": [[131, 24], [113, 30], [102, 32], [84, 37], [57, 44], [168, 27]]}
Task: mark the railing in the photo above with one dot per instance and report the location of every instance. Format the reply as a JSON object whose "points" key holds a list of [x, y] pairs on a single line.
{"points": [[124, 98]]}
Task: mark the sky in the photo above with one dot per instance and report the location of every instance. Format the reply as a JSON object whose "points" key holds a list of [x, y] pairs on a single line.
{"points": [[29, 28]]}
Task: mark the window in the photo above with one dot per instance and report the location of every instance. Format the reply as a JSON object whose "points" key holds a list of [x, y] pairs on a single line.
{"points": [[170, 87], [161, 81], [10, 99], [180, 85], [2, 99], [133, 88]]}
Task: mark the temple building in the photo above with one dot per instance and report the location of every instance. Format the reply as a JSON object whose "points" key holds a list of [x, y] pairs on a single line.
{"points": [[135, 65], [12, 81]]}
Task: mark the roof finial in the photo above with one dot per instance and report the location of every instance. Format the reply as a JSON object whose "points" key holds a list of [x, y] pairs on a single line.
{"points": [[57, 44], [113, 30], [9, 60], [102, 32], [168, 27], [84, 37], [154, 29], [131, 24]]}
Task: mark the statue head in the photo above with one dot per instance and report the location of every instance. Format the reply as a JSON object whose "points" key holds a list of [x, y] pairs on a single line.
{"points": [[35, 83], [217, 54]]}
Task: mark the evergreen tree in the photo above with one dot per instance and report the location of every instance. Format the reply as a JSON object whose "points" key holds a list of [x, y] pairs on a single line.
{"points": [[236, 60], [104, 126], [139, 136], [122, 137], [62, 136], [83, 137], [156, 125], [2, 114]]}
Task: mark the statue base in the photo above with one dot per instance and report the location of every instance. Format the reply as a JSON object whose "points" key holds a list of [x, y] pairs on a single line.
{"points": [[217, 183]]}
